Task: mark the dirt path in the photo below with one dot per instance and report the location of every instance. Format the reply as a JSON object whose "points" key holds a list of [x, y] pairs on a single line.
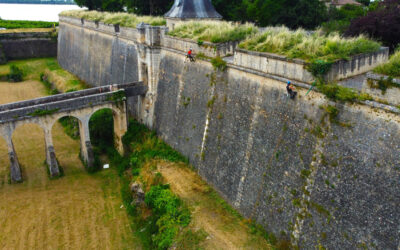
{"points": [[225, 231], [77, 211]]}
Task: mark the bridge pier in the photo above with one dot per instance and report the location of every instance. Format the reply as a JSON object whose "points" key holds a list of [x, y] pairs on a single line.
{"points": [[120, 128], [86, 146], [51, 159], [15, 172]]}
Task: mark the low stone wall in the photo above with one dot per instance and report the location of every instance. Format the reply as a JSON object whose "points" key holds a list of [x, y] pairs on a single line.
{"points": [[207, 48], [296, 69], [14, 46]]}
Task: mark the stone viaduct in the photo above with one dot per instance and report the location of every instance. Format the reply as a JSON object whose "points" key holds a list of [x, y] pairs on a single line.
{"points": [[82, 105]]}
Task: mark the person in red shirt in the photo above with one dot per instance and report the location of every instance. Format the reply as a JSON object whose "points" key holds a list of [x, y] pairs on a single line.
{"points": [[189, 55]]}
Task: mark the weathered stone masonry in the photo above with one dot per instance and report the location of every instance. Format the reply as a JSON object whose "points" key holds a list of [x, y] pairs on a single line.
{"points": [[14, 46], [280, 162]]}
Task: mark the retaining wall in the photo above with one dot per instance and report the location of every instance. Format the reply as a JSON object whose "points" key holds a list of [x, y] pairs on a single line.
{"points": [[321, 181], [296, 69], [96, 53], [14, 46]]}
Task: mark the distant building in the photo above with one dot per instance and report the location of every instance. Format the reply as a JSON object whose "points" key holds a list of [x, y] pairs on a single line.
{"points": [[340, 3], [184, 10]]}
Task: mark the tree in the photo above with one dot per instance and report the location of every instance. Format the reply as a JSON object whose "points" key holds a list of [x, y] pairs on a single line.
{"points": [[149, 7], [232, 10], [382, 24], [102, 5], [292, 13]]}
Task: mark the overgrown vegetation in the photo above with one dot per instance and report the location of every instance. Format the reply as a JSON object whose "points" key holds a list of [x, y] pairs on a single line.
{"points": [[15, 74], [218, 63], [307, 45], [339, 93], [37, 68], [392, 67], [71, 126], [383, 84], [16, 24], [170, 214], [162, 221], [43, 112], [123, 19], [213, 31], [51, 90]]}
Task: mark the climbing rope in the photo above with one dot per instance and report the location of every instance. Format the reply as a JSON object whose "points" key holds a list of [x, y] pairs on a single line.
{"points": [[312, 86]]}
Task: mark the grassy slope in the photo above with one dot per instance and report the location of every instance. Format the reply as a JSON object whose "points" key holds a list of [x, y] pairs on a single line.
{"points": [[78, 211], [32, 69]]}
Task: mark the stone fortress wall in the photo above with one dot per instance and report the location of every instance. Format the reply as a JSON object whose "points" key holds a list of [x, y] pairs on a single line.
{"points": [[14, 46], [280, 162]]}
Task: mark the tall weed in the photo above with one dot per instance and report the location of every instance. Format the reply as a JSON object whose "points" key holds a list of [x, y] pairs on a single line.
{"points": [[308, 45]]}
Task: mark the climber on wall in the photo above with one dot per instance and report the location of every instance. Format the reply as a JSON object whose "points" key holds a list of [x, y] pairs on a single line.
{"points": [[290, 90], [190, 56]]}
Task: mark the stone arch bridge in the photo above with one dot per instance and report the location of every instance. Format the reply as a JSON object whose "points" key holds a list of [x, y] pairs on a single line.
{"points": [[46, 111]]}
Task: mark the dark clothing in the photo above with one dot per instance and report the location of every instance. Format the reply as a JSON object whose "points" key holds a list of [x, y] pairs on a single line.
{"points": [[291, 93]]}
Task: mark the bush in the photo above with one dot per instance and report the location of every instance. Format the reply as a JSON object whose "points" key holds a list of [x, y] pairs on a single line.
{"points": [[170, 213], [15, 74], [382, 24], [308, 46], [339, 93], [213, 31]]}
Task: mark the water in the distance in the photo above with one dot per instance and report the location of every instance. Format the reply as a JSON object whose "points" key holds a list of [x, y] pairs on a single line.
{"points": [[33, 12]]}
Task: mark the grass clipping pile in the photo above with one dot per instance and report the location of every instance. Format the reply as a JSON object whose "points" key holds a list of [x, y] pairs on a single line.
{"points": [[169, 203]]}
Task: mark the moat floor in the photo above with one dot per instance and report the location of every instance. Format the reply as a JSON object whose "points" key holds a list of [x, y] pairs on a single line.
{"points": [[77, 211]]}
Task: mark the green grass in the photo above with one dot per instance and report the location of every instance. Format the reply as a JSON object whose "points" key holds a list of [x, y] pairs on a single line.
{"points": [[16, 24], [123, 19], [308, 46], [391, 68], [213, 31]]}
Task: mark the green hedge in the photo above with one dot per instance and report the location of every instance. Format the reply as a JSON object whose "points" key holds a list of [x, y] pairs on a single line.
{"points": [[17, 24]]}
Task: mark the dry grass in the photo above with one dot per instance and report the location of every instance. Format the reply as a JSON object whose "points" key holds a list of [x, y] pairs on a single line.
{"points": [[224, 229], [308, 46], [213, 31], [121, 18], [77, 211]]}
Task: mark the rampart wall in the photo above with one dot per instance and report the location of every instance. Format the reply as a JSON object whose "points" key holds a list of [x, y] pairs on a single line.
{"points": [[320, 180], [23, 45]]}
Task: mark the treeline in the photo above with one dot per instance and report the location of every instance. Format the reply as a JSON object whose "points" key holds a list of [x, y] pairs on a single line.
{"points": [[38, 2]]}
